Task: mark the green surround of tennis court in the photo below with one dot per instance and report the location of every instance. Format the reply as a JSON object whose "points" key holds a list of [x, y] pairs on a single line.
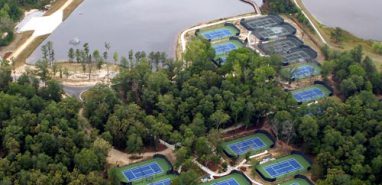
{"points": [[299, 158], [266, 140], [325, 90], [171, 176], [241, 179], [296, 181], [231, 28], [163, 163], [237, 43], [285, 72]]}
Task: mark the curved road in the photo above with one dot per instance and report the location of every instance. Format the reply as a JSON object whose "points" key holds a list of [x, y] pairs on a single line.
{"points": [[76, 91]]}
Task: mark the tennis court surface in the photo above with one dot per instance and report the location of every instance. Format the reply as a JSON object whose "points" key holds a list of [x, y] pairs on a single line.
{"points": [[283, 167], [262, 22], [281, 46], [230, 181], [303, 71], [143, 171], [219, 32], [253, 144], [216, 34], [297, 181], [249, 144], [223, 48], [311, 93], [151, 171], [300, 54], [234, 178], [300, 71], [162, 182], [274, 32]]}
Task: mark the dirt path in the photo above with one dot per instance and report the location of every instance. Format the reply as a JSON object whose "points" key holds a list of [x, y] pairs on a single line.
{"points": [[116, 157]]}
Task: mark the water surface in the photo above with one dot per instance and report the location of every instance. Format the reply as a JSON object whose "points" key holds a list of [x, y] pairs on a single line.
{"points": [[148, 25], [361, 17]]}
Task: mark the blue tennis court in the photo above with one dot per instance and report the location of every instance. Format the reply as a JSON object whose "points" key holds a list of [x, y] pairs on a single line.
{"points": [[230, 181], [162, 182], [244, 146], [224, 48], [217, 34], [303, 71], [311, 94], [143, 171], [282, 168]]}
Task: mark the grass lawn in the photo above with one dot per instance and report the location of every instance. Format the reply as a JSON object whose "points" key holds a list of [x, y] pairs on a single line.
{"points": [[350, 41], [261, 168], [266, 140], [241, 179]]}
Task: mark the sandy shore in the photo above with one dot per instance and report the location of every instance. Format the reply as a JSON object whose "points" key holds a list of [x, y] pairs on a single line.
{"points": [[40, 25]]}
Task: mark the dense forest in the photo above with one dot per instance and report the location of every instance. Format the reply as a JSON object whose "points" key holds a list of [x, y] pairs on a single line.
{"points": [[11, 11], [189, 107], [352, 71], [42, 137], [46, 139]]}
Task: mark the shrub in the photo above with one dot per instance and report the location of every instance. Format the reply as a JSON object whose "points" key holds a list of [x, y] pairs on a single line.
{"points": [[377, 47]]}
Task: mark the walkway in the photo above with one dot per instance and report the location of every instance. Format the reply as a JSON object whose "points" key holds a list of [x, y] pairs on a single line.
{"points": [[214, 174], [311, 22], [230, 168], [254, 5]]}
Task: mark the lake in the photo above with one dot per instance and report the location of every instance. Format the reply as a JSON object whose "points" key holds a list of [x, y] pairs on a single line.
{"points": [[147, 25], [361, 17]]}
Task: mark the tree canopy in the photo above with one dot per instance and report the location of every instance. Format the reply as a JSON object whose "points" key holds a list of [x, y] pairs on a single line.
{"points": [[42, 141]]}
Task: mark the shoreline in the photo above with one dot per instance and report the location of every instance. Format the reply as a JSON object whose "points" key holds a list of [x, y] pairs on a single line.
{"points": [[300, 4], [350, 41], [321, 23], [182, 41], [304, 10], [39, 32]]}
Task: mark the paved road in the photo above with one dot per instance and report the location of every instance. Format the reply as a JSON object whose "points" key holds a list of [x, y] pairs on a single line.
{"points": [[76, 91]]}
